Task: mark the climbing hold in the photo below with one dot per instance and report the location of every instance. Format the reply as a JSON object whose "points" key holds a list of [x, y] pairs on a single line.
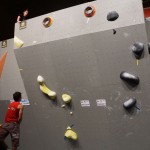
{"points": [[19, 43], [71, 113], [129, 103], [45, 89], [47, 22], [114, 31], [149, 48], [40, 79], [112, 16], [66, 98], [63, 106], [138, 49], [130, 78], [70, 134], [89, 11]]}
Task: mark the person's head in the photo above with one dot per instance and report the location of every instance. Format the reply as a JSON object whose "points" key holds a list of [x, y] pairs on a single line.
{"points": [[17, 96], [25, 13]]}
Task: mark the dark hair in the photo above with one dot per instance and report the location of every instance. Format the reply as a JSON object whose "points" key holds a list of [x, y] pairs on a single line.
{"points": [[3, 146], [26, 10], [17, 96]]}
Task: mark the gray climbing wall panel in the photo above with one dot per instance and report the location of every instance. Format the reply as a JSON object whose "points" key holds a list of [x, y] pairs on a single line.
{"points": [[82, 57], [88, 68], [72, 22], [147, 23], [10, 80]]}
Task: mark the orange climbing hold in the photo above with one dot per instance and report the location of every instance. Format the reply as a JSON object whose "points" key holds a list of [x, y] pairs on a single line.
{"points": [[2, 62]]}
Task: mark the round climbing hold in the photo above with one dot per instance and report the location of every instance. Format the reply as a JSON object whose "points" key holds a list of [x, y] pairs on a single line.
{"points": [[66, 98], [47, 22], [40, 79], [71, 113], [89, 11], [112, 16], [137, 48], [129, 103]]}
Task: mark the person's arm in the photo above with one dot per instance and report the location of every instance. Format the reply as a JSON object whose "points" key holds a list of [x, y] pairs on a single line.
{"points": [[18, 19], [20, 107]]}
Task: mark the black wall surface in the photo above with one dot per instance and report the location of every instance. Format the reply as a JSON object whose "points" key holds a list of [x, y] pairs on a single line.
{"points": [[87, 67]]}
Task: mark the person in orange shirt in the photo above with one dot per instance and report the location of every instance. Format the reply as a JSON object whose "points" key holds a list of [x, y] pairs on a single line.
{"points": [[12, 121]]}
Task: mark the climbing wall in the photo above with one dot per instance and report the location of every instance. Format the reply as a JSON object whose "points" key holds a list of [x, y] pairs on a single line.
{"points": [[72, 21], [84, 57], [10, 79]]}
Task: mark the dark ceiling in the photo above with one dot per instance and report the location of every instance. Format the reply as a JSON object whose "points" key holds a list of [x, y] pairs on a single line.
{"points": [[9, 10]]}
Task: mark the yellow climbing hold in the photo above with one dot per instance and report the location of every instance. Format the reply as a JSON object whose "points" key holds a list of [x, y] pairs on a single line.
{"points": [[40, 79], [63, 106], [70, 134], [66, 98], [19, 43], [45, 89], [71, 113]]}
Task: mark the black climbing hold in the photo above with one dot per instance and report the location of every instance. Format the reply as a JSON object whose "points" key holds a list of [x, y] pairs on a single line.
{"points": [[129, 78], [114, 31], [138, 49], [112, 16], [149, 48], [89, 11], [129, 103]]}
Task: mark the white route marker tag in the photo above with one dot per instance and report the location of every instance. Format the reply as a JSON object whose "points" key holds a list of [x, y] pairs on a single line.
{"points": [[85, 103], [101, 102]]}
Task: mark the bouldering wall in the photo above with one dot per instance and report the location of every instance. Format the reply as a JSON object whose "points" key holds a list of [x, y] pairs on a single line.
{"points": [[84, 57]]}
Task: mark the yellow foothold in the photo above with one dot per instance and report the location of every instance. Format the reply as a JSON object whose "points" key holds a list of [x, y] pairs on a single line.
{"points": [[40, 79], [19, 43], [70, 134], [45, 89], [71, 113], [63, 106], [20, 69], [66, 98]]}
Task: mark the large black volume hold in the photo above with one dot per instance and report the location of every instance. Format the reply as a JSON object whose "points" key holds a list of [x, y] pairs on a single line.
{"points": [[130, 78], [112, 16]]}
